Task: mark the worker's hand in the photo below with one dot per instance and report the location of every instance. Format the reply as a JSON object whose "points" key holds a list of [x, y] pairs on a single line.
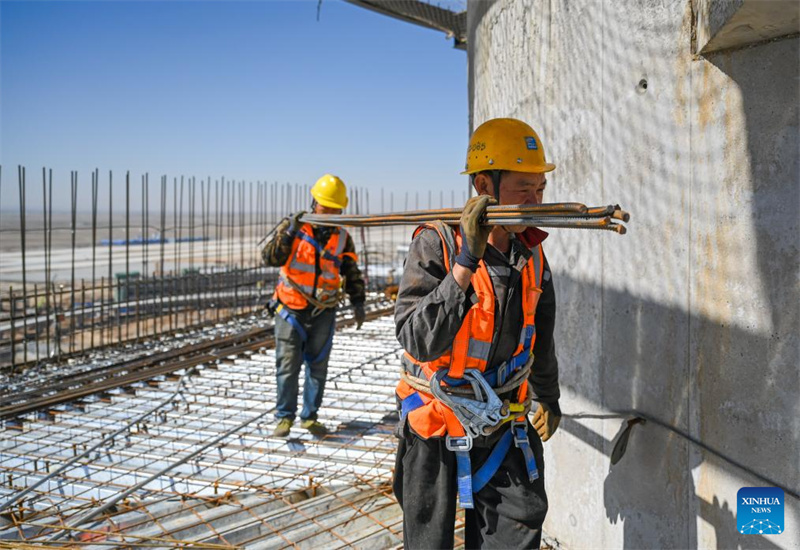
{"points": [[295, 223], [360, 314], [546, 420], [474, 235]]}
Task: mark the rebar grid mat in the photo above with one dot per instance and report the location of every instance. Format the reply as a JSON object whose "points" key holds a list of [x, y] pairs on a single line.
{"points": [[249, 489]]}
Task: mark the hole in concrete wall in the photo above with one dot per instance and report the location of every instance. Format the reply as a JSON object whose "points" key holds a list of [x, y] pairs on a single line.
{"points": [[642, 86]]}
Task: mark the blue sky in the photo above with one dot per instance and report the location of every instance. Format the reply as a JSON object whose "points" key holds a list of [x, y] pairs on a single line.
{"points": [[255, 90]]}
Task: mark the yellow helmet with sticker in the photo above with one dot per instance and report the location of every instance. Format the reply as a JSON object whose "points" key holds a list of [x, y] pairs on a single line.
{"points": [[506, 144]]}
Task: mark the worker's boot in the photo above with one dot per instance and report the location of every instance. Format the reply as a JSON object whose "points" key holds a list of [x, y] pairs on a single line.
{"points": [[283, 428], [316, 428]]}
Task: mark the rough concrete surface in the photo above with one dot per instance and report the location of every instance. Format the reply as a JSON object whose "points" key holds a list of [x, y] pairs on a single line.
{"points": [[724, 24], [693, 317]]}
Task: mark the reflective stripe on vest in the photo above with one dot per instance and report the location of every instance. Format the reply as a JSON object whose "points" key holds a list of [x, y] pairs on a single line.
{"points": [[300, 269], [472, 344]]}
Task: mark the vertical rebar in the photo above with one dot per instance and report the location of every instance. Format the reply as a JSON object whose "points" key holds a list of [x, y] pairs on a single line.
{"points": [[392, 247], [231, 207], [12, 307], [103, 323], [74, 189], [95, 182], [36, 318], [161, 242], [191, 192], [146, 237], [143, 220], [217, 245], [22, 229], [83, 312], [241, 225], [178, 270], [46, 265], [251, 227], [136, 305], [50, 239], [110, 253], [127, 276]]}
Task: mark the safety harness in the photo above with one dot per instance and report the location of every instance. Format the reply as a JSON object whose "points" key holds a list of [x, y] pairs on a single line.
{"points": [[301, 265], [458, 396]]}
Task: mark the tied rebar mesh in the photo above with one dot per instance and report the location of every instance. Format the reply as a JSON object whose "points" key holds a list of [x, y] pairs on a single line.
{"points": [[204, 469]]}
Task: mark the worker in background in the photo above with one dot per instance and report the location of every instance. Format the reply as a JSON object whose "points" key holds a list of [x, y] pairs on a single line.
{"points": [[475, 313], [314, 261]]}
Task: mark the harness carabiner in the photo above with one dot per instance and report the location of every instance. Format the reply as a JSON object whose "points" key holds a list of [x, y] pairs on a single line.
{"points": [[478, 415]]}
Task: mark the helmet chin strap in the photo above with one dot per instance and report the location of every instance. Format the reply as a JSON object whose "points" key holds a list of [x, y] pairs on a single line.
{"points": [[496, 175]]}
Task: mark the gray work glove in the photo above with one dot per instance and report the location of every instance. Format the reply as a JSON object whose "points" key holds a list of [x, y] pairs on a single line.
{"points": [[546, 420], [474, 235], [360, 314]]}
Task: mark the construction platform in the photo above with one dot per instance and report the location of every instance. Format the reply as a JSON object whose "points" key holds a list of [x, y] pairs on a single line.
{"points": [[203, 470]]}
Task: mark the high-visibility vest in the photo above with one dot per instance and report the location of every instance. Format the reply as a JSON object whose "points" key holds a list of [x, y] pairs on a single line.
{"points": [[473, 341], [301, 268]]}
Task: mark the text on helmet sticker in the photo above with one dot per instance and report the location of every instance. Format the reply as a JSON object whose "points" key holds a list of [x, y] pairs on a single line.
{"points": [[530, 142]]}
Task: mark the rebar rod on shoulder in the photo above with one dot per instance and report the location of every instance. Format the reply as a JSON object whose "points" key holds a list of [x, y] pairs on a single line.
{"points": [[556, 215]]}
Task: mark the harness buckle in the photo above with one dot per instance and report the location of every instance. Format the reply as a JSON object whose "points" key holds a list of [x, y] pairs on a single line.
{"points": [[519, 430], [502, 373], [457, 444]]}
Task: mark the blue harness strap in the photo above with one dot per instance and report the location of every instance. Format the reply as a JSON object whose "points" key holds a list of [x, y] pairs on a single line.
{"points": [[519, 435], [322, 252], [497, 376], [284, 314], [413, 401], [467, 482], [462, 446], [521, 441], [492, 464]]}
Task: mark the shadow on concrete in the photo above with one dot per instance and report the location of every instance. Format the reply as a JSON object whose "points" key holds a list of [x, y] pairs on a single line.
{"points": [[654, 478]]}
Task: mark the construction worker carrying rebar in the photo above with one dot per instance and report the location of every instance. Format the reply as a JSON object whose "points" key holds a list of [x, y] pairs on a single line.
{"points": [[315, 263], [474, 359]]}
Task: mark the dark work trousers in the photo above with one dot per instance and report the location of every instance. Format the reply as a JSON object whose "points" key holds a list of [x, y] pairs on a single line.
{"points": [[289, 357], [509, 510]]}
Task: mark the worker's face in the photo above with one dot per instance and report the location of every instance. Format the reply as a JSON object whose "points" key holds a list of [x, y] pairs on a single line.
{"points": [[522, 188], [515, 188], [319, 209]]}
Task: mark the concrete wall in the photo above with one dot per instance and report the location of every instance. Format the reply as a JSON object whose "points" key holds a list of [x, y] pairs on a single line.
{"points": [[692, 317]]}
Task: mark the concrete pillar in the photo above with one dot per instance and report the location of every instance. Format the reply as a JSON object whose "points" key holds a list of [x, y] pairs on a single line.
{"points": [[693, 317]]}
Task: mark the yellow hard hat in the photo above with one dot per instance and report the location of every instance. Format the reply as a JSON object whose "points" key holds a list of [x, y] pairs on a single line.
{"points": [[506, 144], [330, 191]]}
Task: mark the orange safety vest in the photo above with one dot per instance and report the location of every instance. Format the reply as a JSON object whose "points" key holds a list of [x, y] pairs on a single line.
{"points": [[301, 268], [473, 341]]}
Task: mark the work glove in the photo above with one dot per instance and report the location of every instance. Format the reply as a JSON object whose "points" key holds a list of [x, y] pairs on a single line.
{"points": [[292, 229], [295, 223], [360, 314], [546, 419], [474, 235]]}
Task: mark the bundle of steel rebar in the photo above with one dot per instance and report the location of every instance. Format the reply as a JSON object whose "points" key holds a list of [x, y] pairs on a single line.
{"points": [[565, 214]]}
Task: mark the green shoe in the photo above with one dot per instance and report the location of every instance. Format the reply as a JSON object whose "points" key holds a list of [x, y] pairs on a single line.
{"points": [[316, 428], [283, 428]]}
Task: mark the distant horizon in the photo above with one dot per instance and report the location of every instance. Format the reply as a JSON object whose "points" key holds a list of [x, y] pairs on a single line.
{"points": [[260, 91]]}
